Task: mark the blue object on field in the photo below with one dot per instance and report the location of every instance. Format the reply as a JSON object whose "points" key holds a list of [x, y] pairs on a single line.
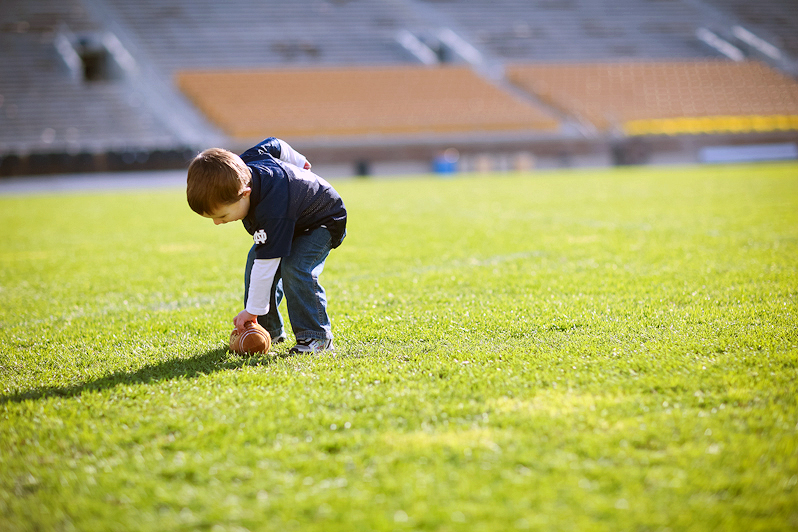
{"points": [[446, 162]]}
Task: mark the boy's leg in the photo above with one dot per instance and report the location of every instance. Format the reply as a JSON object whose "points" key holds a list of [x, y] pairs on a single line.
{"points": [[305, 297], [273, 321]]}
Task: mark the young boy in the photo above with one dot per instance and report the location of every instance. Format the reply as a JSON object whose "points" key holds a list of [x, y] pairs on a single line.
{"points": [[295, 219]]}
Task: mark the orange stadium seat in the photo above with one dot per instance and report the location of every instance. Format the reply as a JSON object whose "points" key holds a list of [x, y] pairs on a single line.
{"points": [[667, 97], [329, 102]]}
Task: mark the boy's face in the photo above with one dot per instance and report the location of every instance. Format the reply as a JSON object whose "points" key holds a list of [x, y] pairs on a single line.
{"points": [[231, 212]]}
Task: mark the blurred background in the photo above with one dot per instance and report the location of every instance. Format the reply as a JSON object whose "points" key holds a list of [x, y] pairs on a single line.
{"points": [[378, 87]]}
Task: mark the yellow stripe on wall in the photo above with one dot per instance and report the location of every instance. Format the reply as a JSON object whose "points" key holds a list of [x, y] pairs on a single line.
{"points": [[694, 125]]}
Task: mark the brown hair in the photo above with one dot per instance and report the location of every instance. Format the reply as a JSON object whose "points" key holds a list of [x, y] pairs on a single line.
{"points": [[215, 177]]}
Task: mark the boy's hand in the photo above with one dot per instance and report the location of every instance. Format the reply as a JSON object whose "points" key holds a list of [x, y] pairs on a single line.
{"points": [[241, 320]]}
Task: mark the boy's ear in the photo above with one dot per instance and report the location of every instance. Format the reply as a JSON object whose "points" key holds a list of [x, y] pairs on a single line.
{"points": [[246, 192]]}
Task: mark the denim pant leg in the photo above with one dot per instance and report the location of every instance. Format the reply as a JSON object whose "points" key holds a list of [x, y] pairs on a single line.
{"points": [[273, 321], [305, 297]]}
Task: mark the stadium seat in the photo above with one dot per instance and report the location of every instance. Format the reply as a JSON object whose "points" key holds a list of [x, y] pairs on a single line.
{"points": [[684, 97], [357, 101]]}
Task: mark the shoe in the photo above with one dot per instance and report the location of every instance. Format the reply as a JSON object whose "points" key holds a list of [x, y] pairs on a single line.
{"points": [[311, 345], [279, 339]]}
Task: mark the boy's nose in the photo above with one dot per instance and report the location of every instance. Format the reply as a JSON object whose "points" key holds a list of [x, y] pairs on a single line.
{"points": [[217, 221]]}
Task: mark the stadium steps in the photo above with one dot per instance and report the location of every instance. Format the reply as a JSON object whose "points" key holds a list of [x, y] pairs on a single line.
{"points": [[776, 21], [43, 107]]}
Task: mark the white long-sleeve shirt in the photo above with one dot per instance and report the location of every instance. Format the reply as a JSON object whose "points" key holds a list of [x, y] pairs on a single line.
{"points": [[260, 284]]}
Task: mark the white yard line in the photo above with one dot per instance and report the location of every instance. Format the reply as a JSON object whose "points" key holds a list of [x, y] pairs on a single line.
{"points": [[92, 182]]}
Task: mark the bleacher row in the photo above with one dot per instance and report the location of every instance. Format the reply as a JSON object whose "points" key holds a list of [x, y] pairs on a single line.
{"points": [[557, 31], [302, 103], [35, 110], [621, 96], [631, 98], [181, 34]]}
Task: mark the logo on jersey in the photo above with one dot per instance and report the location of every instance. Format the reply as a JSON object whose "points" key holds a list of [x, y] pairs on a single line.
{"points": [[259, 237]]}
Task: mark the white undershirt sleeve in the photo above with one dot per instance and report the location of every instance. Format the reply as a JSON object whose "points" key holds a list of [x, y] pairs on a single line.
{"points": [[290, 155], [260, 285]]}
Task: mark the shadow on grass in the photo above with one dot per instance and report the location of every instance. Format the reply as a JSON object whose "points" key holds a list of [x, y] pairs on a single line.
{"points": [[182, 368]]}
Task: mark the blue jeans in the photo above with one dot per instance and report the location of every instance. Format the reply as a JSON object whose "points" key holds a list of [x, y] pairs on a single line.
{"points": [[297, 278]]}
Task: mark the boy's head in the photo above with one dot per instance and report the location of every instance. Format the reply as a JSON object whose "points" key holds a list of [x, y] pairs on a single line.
{"points": [[218, 185]]}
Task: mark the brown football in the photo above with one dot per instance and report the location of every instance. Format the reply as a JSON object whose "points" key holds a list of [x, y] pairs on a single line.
{"points": [[253, 339]]}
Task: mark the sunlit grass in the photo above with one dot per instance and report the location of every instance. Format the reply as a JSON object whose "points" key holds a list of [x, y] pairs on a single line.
{"points": [[585, 350]]}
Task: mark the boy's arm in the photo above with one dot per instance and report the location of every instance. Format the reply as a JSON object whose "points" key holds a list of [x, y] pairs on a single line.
{"points": [[290, 155], [259, 291]]}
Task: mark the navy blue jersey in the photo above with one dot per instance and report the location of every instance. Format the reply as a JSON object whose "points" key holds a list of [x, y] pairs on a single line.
{"points": [[287, 201]]}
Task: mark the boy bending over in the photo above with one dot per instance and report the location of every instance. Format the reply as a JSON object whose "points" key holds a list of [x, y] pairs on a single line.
{"points": [[295, 218]]}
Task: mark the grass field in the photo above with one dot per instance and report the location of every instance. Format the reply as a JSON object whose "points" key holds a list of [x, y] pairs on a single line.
{"points": [[585, 350]]}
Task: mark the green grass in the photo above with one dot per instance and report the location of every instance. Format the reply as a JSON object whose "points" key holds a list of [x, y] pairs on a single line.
{"points": [[585, 350]]}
